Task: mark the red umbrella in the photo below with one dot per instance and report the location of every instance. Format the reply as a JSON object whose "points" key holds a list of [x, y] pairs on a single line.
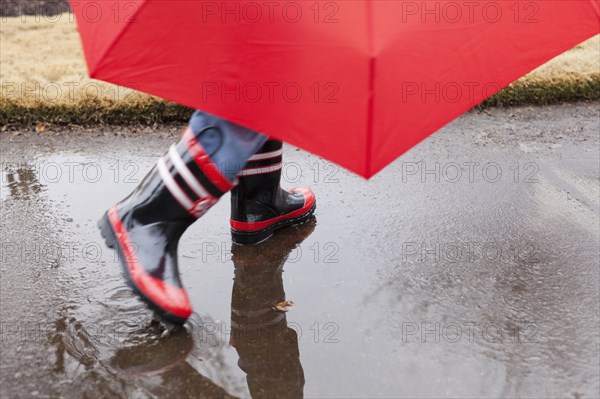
{"points": [[358, 82]]}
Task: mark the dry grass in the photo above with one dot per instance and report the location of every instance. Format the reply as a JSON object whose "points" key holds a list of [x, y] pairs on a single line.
{"points": [[572, 76], [44, 78]]}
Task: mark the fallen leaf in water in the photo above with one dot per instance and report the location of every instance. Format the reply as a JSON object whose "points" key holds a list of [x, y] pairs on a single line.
{"points": [[283, 306], [39, 127]]}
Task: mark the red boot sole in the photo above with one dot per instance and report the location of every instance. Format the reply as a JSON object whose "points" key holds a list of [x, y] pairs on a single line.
{"points": [[258, 236]]}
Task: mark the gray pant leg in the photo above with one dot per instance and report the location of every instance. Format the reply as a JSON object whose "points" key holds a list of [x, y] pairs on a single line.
{"points": [[228, 145]]}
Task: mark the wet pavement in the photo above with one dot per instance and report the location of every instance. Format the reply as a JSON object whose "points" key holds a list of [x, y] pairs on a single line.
{"points": [[468, 268]]}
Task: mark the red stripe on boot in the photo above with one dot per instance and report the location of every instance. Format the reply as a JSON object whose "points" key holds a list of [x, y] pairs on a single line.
{"points": [[204, 162]]}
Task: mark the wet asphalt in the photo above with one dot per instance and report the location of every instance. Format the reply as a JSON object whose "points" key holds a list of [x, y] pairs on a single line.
{"points": [[467, 268]]}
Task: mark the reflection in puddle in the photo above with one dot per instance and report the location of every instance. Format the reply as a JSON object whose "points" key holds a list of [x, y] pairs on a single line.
{"points": [[158, 362], [267, 347], [160, 365], [21, 181]]}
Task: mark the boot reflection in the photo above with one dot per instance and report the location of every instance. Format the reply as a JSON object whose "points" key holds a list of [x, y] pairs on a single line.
{"points": [[267, 347], [159, 366]]}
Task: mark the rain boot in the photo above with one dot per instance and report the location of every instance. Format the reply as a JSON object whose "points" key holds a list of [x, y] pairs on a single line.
{"points": [[145, 227], [259, 206]]}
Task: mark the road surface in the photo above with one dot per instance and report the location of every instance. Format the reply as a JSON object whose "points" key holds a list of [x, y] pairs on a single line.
{"points": [[467, 268]]}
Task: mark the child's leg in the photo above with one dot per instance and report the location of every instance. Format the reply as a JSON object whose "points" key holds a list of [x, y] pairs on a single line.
{"points": [[229, 151], [186, 182]]}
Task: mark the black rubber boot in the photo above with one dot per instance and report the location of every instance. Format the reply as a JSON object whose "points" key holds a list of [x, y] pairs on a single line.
{"points": [[267, 347], [259, 206], [146, 226]]}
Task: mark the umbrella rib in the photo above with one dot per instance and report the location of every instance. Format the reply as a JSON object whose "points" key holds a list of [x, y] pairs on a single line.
{"points": [[114, 42], [596, 7], [371, 88]]}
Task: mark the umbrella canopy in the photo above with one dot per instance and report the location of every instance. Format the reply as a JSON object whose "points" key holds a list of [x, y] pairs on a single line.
{"points": [[358, 82]]}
